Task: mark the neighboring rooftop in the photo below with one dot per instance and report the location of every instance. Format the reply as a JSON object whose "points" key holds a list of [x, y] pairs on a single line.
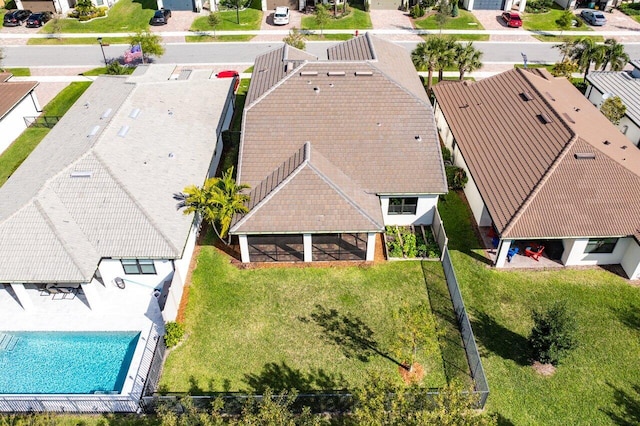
{"points": [[624, 84], [11, 93], [101, 183], [547, 163], [370, 119]]}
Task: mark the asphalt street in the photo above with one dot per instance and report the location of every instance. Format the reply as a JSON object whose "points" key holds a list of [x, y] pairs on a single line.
{"points": [[245, 53]]}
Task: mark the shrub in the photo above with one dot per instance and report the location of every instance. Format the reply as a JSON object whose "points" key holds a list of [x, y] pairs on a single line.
{"points": [[446, 154], [631, 9], [174, 332], [538, 6], [553, 333], [456, 177], [417, 11], [427, 4], [455, 12]]}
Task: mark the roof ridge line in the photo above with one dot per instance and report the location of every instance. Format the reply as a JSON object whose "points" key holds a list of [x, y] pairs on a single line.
{"points": [[278, 84], [52, 227], [135, 202], [536, 190], [371, 47], [394, 81], [276, 189], [340, 192]]}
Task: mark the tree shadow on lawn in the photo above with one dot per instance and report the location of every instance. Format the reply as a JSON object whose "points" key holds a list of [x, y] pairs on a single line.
{"points": [[281, 377], [498, 339], [629, 405], [196, 389], [629, 316], [354, 337]]}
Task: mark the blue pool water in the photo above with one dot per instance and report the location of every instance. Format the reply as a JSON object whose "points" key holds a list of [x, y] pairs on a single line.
{"points": [[71, 363]]}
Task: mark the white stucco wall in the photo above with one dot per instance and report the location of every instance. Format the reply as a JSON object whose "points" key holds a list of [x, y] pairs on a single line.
{"points": [[424, 210], [112, 268], [574, 253], [13, 123], [631, 260]]}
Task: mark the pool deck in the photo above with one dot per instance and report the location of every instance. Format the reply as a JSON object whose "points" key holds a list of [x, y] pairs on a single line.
{"points": [[113, 309]]}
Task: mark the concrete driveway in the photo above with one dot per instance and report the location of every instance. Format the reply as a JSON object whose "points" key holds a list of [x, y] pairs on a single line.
{"points": [[491, 20], [295, 20], [616, 21]]}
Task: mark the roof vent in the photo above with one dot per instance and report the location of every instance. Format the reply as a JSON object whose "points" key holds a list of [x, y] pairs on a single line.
{"points": [[336, 73], [568, 117], [316, 89], [418, 138], [623, 147], [134, 113], [526, 96], [106, 114], [606, 143], [545, 118], [550, 96], [123, 131], [81, 174], [584, 155], [308, 73], [93, 131], [288, 67], [364, 73], [171, 155]]}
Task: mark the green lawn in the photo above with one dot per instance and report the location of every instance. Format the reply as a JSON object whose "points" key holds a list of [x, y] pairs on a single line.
{"points": [[561, 38], [599, 382], [464, 21], [124, 16], [355, 20], [547, 21], [54, 41], [19, 72], [20, 149], [250, 19], [211, 39], [248, 329]]}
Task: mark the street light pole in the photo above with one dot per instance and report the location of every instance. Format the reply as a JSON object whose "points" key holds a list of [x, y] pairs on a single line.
{"points": [[102, 48]]}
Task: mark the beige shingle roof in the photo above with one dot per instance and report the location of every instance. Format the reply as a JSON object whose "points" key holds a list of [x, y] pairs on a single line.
{"points": [[519, 133]]}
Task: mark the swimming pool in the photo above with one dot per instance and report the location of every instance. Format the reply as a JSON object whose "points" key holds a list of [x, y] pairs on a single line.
{"points": [[65, 362]]}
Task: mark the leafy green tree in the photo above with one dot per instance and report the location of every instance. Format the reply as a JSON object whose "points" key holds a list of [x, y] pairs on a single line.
{"points": [[565, 21], [566, 47], [553, 333], [614, 55], [417, 330], [85, 8], [443, 14], [277, 410], [214, 20], [585, 51], [467, 58], [455, 11], [149, 42], [184, 413], [295, 39], [217, 201], [614, 109], [566, 68], [321, 17]]}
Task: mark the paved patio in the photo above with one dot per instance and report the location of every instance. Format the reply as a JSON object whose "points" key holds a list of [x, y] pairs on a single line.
{"points": [[520, 260]]}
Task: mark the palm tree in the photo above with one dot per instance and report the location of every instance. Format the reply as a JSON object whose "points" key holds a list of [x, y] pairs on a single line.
{"points": [[424, 57], [585, 51], [446, 55], [216, 201], [614, 55], [467, 58], [565, 48]]}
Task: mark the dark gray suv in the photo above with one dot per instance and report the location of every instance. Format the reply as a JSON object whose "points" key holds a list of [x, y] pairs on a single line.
{"points": [[13, 18]]}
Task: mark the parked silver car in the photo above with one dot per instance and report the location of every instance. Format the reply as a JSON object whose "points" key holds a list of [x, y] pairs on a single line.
{"points": [[594, 17], [281, 15]]}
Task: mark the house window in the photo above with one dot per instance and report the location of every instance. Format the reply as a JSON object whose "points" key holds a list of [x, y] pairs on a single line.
{"points": [[601, 245], [403, 205], [138, 266]]}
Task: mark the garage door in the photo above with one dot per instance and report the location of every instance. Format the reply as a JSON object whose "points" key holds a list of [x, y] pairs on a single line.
{"points": [[385, 4], [488, 4], [291, 4], [179, 5], [38, 6]]}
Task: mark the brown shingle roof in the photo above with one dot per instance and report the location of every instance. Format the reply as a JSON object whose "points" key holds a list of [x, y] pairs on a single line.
{"points": [[376, 130], [519, 132], [5, 76], [12, 93]]}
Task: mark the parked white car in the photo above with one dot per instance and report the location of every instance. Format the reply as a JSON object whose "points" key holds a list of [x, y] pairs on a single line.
{"points": [[281, 16]]}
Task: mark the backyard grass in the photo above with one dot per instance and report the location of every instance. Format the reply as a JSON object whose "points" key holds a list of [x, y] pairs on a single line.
{"points": [[19, 72], [355, 20], [464, 21], [124, 16], [20, 149], [55, 41], [248, 329], [597, 384], [250, 19]]}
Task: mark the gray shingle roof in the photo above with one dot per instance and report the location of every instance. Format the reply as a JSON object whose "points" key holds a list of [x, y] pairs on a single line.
{"points": [[81, 197], [526, 169], [620, 84]]}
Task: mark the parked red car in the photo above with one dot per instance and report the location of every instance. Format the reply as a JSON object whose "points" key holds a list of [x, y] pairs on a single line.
{"points": [[230, 74], [512, 19]]}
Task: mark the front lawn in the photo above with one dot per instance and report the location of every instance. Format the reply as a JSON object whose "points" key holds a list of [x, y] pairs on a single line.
{"points": [[464, 21], [279, 327], [598, 383], [20, 149], [355, 20], [250, 20], [547, 21], [124, 16]]}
